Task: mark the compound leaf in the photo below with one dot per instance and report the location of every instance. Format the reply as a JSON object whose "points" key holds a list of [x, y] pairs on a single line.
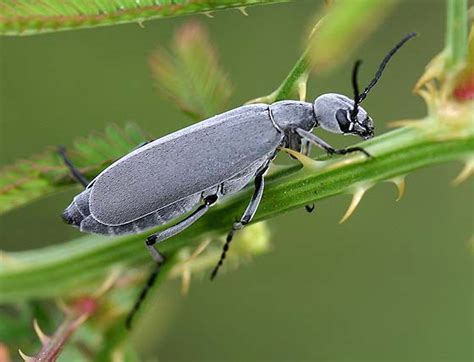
{"points": [[190, 75]]}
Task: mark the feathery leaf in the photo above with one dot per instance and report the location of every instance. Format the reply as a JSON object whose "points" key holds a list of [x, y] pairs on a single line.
{"points": [[28, 180], [190, 76]]}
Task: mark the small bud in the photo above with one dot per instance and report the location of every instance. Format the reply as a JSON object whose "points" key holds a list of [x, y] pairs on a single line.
{"points": [[464, 91], [252, 240]]}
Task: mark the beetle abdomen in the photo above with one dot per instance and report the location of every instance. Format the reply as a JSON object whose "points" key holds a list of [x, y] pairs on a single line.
{"points": [[78, 214], [78, 210]]}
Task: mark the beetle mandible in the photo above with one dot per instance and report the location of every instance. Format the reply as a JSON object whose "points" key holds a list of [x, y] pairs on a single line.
{"points": [[166, 178]]}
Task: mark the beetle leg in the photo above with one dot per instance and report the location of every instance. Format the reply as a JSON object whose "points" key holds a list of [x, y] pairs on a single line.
{"points": [[245, 219], [175, 229], [327, 147], [306, 150], [305, 147], [158, 257], [78, 176]]}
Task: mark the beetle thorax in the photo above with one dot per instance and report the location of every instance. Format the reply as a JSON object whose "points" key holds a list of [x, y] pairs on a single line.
{"points": [[288, 115]]}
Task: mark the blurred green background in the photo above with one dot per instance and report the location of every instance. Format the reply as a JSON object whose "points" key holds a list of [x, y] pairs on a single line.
{"points": [[393, 283]]}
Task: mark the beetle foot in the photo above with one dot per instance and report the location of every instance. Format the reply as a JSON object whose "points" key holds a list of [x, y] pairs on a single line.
{"points": [[345, 151], [151, 240]]}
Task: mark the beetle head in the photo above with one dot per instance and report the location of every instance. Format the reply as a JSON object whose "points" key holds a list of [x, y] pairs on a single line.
{"points": [[339, 114], [334, 114]]}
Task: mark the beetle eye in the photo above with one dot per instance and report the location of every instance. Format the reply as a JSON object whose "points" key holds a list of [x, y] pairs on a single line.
{"points": [[343, 120]]}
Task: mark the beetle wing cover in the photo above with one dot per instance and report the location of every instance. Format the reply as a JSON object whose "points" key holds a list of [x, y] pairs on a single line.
{"points": [[182, 164]]}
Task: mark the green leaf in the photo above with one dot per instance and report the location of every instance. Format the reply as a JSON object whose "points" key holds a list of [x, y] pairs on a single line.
{"points": [[24, 17], [355, 20], [29, 180], [190, 75]]}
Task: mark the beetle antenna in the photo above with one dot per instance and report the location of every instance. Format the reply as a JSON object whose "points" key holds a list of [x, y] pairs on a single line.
{"points": [[383, 64], [355, 86]]}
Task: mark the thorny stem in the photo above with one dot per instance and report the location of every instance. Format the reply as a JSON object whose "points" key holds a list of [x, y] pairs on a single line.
{"points": [[294, 82], [33, 17], [346, 24], [53, 345], [456, 32], [76, 265], [297, 76], [73, 265]]}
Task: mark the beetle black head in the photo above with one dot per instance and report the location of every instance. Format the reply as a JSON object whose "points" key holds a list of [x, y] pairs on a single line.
{"points": [[339, 114]]}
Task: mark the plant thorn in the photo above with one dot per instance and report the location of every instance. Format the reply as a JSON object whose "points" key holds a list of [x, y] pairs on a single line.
{"points": [[274, 168], [356, 197], [268, 99], [243, 10], [415, 123], [108, 283], [400, 183], [64, 308], [467, 171], [25, 357], [186, 272], [302, 90], [208, 14], [44, 338], [470, 244], [304, 160], [185, 280]]}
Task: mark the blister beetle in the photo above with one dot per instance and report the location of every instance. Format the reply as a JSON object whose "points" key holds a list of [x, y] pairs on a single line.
{"points": [[166, 178]]}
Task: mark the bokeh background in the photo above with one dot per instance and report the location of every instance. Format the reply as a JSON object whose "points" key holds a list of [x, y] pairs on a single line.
{"points": [[393, 283]]}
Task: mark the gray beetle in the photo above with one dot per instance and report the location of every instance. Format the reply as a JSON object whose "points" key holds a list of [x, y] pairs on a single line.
{"points": [[167, 178]]}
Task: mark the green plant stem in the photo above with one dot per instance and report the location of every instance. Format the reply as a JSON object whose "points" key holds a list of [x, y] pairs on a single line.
{"points": [[356, 20], [79, 264], [345, 26], [298, 74], [456, 32], [26, 17]]}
